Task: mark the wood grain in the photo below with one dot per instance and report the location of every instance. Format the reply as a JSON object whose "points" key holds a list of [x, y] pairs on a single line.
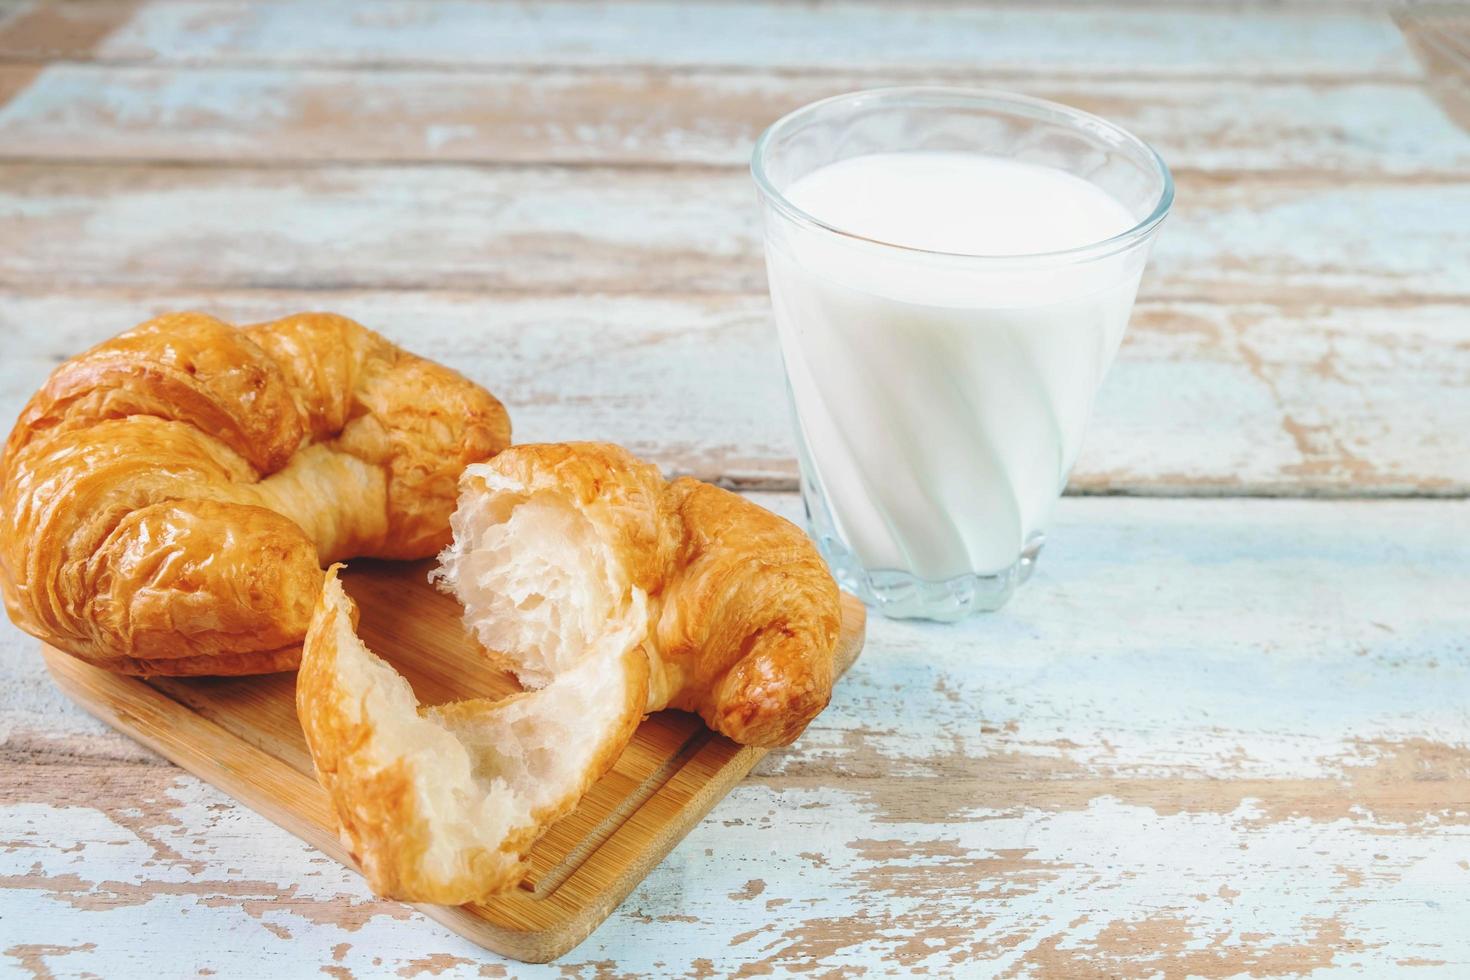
{"points": [[1246, 399], [583, 230], [278, 116], [1163, 40]]}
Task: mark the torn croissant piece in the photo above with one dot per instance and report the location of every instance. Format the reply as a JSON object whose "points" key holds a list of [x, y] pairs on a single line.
{"points": [[610, 592], [172, 494], [442, 804]]}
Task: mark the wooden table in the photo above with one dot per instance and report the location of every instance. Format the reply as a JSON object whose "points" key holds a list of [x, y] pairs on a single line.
{"points": [[1226, 729]]}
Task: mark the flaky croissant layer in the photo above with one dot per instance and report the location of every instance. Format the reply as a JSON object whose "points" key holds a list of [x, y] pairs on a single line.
{"points": [[172, 494]]}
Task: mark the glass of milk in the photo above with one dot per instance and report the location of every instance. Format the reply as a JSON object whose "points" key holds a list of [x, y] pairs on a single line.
{"points": [[951, 273]]}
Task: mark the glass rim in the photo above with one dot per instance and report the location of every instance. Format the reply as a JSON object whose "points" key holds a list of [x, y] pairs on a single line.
{"points": [[1031, 105]]}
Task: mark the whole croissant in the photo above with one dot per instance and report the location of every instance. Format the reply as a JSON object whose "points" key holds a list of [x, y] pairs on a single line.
{"points": [[610, 592], [171, 495]]}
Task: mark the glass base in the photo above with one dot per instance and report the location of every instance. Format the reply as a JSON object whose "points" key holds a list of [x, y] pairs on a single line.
{"points": [[900, 595]]}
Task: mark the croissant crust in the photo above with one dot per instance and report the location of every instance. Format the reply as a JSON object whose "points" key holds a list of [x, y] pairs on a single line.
{"points": [[735, 608], [172, 494]]}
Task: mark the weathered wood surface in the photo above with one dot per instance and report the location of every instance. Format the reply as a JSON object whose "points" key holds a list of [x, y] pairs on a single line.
{"points": [[1311, 286], [1246, 399], [1325, 41], [1213, 736], [1323, 238], [1120, 772], [279, 116]]}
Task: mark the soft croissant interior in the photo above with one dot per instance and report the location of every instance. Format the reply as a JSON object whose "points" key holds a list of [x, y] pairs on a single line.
{"points": [[537, 581], [440, 804]]}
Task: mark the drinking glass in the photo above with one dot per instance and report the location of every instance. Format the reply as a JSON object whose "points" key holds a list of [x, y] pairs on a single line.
{"points": [[939, 399]]}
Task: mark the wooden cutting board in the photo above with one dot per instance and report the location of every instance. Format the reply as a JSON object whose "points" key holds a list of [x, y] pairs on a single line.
{"points": [[241, 734]]}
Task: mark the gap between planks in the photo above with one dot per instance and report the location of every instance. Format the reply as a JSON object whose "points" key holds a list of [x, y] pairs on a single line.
{"points": [[912, 75], [1265, 177]]}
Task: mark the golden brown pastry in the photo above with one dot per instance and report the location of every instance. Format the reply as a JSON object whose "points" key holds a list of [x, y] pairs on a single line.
{"points": [[569, 548], [172, 494], [610, 592]]}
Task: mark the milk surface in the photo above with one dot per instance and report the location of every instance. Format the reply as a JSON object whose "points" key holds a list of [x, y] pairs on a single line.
{"points": [[941, 400]]}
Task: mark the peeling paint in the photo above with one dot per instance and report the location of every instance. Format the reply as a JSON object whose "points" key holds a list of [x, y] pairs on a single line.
{"points": [[32, 957]]}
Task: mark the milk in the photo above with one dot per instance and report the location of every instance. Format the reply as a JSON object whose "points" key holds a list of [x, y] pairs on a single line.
{"points": [[941, 399]]}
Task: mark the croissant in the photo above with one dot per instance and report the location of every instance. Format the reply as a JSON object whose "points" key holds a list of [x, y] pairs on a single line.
{"points": [[575, 547], [171, 494], [611, 593]]}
